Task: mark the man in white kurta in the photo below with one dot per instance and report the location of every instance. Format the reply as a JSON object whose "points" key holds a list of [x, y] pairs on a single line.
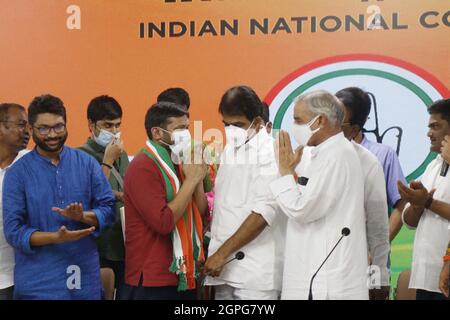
{"points": [[241, 189], [432, 234], [375, 193], [428, 210], [377, 225], [324, 195], [245, 217]]}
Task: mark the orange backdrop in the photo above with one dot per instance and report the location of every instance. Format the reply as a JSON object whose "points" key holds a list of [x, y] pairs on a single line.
{"points": [[39, 54]]}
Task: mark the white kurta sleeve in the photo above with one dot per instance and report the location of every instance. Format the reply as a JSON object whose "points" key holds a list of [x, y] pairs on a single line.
{"points": [[264, 203], [377, 223], [403, 217], [318, 197]]}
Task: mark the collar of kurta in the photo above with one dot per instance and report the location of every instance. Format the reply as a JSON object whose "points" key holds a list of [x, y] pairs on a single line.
{"points": [[62, 155], [19, 155], [326, 144]]}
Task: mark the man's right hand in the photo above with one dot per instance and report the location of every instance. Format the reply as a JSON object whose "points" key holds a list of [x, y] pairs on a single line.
{"points": [[195, 168], [195, 172], [63, 235], [119, 196], [113, 151], [287, 159], [445, 149]]}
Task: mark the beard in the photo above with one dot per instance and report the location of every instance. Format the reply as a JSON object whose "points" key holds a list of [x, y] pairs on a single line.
{"points": [[44, 143]]}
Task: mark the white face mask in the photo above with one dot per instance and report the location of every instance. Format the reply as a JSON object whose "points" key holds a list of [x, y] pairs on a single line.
{"points": [[302, 132], [105, 137], [236, 136], [181, 140]]}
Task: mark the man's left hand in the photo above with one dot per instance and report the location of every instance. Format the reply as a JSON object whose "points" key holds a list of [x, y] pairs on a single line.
{"points": [[444, 279], [287, 159], [416, 194], [73, 211]]}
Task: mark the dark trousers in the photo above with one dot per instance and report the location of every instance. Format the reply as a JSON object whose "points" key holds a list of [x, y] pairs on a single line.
{"points": [[157, 293], [7, 293], [428, 295]]}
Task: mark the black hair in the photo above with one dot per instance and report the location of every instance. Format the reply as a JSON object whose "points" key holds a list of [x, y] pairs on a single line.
{"points": [[175, 95], [241, 100], [158, 114], [358, 102], [441, 107], [45, 104], [103, 108], [265, 112], [5, 107]]}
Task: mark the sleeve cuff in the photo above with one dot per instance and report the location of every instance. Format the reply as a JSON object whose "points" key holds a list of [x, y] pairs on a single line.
{"points": [[393, 201], [101, 223], [26, 245], [403, 218], [282, 184], [266, 211]]}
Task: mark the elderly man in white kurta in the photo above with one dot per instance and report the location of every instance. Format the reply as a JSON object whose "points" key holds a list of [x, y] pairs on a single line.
{"points": [[321, 192]]}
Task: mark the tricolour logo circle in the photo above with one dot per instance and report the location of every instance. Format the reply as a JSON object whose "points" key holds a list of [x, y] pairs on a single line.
{"points": [[402, 90]]}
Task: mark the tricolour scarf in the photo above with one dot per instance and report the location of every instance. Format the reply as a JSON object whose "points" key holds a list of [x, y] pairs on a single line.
{"points": [[187, 237]]}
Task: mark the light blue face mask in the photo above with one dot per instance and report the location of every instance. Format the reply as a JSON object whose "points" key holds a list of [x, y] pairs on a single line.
{"points": [[105, 137]]}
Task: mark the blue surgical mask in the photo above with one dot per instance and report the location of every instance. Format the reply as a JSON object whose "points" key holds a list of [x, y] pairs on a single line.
{"points": [[105, 137]]}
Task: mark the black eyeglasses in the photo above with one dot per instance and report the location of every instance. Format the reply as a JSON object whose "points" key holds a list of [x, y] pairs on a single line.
{"points": [[45, 130], [21, 124]]}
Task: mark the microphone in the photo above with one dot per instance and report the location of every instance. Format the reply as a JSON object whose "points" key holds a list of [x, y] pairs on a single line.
{"points": [[345, 232], [238, 256]]}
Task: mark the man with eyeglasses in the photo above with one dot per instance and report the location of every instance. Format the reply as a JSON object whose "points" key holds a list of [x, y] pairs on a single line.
{"points": [[104, 115], [14, 137], [55, 201]]}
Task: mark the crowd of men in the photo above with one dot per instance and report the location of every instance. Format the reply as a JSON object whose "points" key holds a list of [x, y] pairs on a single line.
{"points": [[184, 221]]}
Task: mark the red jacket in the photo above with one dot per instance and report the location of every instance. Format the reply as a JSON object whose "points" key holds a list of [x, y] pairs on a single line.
{"points": [[149, 223]]}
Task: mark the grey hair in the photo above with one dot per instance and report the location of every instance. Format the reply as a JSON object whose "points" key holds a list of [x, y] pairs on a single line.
{"points": [[322, 102], [5, 107]]}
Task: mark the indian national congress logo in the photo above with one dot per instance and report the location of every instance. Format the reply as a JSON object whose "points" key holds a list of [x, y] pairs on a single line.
{"points": [[403, 92]]}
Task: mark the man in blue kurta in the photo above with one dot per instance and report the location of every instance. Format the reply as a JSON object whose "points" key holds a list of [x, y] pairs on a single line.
{"points": [[55, 201]]}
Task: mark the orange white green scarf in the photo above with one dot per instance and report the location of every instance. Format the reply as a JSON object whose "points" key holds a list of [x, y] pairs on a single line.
{"points": [[187, 237]]}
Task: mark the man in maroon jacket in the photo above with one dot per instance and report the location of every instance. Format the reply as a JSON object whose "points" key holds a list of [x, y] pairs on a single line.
{"points": [[163, 204]]}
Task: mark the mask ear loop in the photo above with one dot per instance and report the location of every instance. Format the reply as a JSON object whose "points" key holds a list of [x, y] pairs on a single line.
{"points": [[248, 138], [171, 138], [312, 122], [95, 127]]}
